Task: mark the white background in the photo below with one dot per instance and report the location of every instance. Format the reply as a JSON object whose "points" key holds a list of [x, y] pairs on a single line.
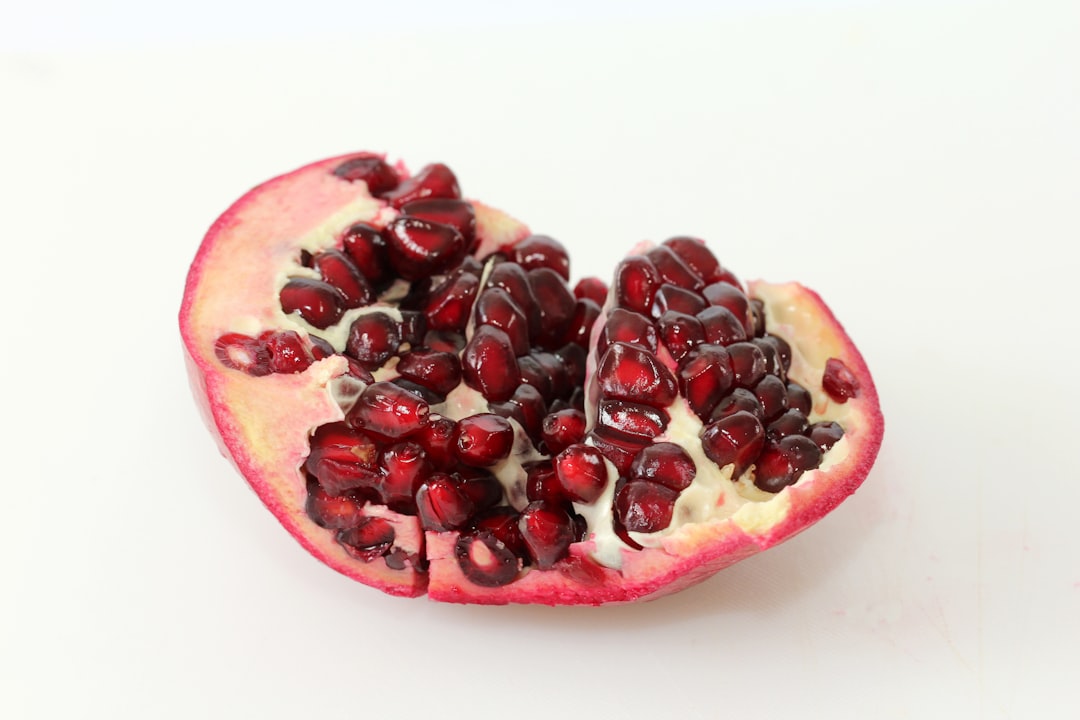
{"points": [[917, 163]]}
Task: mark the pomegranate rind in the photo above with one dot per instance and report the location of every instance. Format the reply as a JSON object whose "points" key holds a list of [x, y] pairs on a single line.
{"points": [[697, 551], [263, 424]]}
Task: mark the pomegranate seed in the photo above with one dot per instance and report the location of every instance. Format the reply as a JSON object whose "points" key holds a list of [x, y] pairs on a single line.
{"points": [[332, 512], [773, 362], [440, 371], [792, 422], [641, 422], [664, 463], [556, 371], [556, 304], [485, 560], [502, 522], [644, 506], [458, 214], [527, 407], [541, 251], [575, 359], [591, 288], [799, 398], [740, 400], [417, 296], [784, 463], [450, 304], [320, 349], [696, 255], [705, 376], [414, 328], [288, 354], [337, 441], [721, 326], [629, 373], [388, 410], [512, 278], [441, 505], [372, 170], [726, 295], [541, 483], [358, 371], [581, 472], [244, 353], [483, 440], [420, 248], [437, 439], [748, 362], [636, 283], [681, 333], [433, 181], [838, 381], [579, 330], [424, 393], [405, 467], [444, 341], [534, 374], [620, 450], [365, 245], [562, 429], [374, 338], [548, 532], [772, 394], [628, 327], [316, 301], [825, 434], [670, 297], [737, 439], [674, 270], [496, 308], [336, 268], [489, 365], [783, 349], [338, 478], [757, 312], [369, 540]]}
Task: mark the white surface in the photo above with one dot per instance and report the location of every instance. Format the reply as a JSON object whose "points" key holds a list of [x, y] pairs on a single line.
{"points": [[920, 167]]}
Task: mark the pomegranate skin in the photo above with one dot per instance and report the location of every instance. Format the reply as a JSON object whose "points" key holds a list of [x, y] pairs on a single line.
{"points": [[263, 424]]}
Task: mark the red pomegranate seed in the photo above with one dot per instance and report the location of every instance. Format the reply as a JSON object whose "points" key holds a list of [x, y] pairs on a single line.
{"points": [[645, 507], [548, 532], [680, 333], [440, 371], [771, 392], [502, 522], [562, 429], [748, 362], [838, 381], [628, 327], [337, 441], [374, 338], [244, 353], [575, 360], [420, 248], [320, 349], [773, 362], [556, 370], [441, 505], [527, 407], [424, 393], [591, 288], [825, 434], [696, 255], [365, 245], [437, 439], [369, 540], [414, 328], [336, 268], [757, 312], [726, 295], [483, 440], [664, 463], [483, 491], [721, 326], [489, 365], [405, 467], [556, 304], [318, 302], [358, 371], [670, 297], [581, 472], [332, 512], [541, 251], [705, 377], [388, 410], [541, 483], [784, 463], [799, 398], [433, 181], [379, 176], [534, 374], [636, 283], [737, 439], [444, 341], [496, 308], [739, 400], [579, 329], [288, 353], [457, 214], [485, 559], [783, 349], [792, 422], [629, 373], [640, 422], [451, 302], [512, 278], [620, 450], [674, 270]]}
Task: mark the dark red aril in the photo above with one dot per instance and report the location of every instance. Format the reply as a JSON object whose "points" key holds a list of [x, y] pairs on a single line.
{"points": [[420, 248], [640, 422], [825, 434], [792, 422], [437, 439], [548, 532], [316, 301], [783, 463], [556, 304], [244, 353], [562, 429], [696, 255], [483, 440], [458, 214], [705, 377], [288, 353], [581, 472], [441, 505], [440, 371], [332, 512], [838, 381], [388, 410], [485, 559], [481, 487], [373, 170], [722, 294], [771, 392], [673, 269], [374, 338], [369, 540], [541, 483], [748, 363], [579, 329], [664, 463], [670, 297], [591, 288], [433, 181], [365, 245], [721, 326], [502, 522], [630, 373], [636, 283], [799, 398], [489, 364], [645, 507], [405, 467], [496, 308], [626, 326], [541, 251], [450, 304], [734, 439], [339, 270], [527, 407], [512, 278], [738, 400], [680, 333]]}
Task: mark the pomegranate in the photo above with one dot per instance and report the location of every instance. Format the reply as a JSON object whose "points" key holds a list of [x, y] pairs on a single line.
{"points": [[412, 386]]}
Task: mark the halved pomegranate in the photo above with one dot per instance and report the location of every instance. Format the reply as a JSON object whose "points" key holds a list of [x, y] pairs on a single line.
{"points": [[409, 383]]}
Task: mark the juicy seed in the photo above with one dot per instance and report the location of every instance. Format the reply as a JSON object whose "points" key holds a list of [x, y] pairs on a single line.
{"points": [[640, 423], [581, 473], [838, 381], [694, 253], [556, 304], [334, 513], [548, 532], [365, 245], [371, 539], [316, 301], [541, 251], [440, 371], [450, 304], [735, 439], [288, 354], [483, 440], [705, 376], [628, 327], [562, 429], [342, 458], [793, 422], [379, 176], [740, 400], [674, 270], [630, 373], [757, 311], [496, 308], [669, 297], [337, 269], [527, 407], [680, 333], [483, 490], [489, 365], [619, 449], [636, 283], [799, 398], [420, 248], [591, 288], [721, 326], [784, 463], [645, 507], [441, 505], [485, 560], [825, 434], [726, 295], [748, 363], [502, 522], [772, 394], [541, 483], [405, 467], [579, 330], [374, 338], [437, 439], [783, 349], [664, 463], [388, 410], [244, 353], [458, 214], [512, 278], [433, 181]]}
